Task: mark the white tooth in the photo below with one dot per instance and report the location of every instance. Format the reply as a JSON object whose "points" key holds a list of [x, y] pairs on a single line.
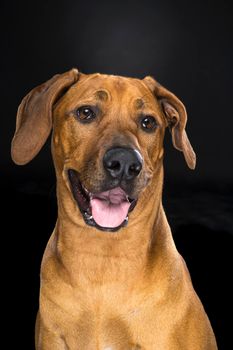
{"points": [[85, 190]]}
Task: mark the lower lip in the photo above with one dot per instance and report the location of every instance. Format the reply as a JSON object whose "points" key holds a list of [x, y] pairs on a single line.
{"points": [[91, 222]]}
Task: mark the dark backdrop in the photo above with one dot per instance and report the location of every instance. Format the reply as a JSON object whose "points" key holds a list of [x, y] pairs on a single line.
{"points": [[186, 46]]}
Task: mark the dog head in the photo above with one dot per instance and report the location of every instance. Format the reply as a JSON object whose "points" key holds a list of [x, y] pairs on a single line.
{"points": [[107, 141]]}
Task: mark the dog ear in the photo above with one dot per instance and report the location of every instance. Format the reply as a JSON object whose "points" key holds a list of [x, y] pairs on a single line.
{"points": [[176, 116], [34, 116]]}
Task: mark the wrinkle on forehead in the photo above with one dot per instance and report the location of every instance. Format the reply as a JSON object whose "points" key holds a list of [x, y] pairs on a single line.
{"points": [[109, 87], [139, 103], [102, 95]]}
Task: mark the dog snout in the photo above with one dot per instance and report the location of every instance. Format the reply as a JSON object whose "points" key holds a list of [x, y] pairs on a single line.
{"points": [[122, 163]]}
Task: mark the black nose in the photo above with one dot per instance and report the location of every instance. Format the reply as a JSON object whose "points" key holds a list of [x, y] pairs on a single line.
{"points": [[122, 163]]}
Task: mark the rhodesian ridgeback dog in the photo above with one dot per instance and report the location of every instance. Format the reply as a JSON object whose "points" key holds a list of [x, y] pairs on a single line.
{"points": [[111, 276]]}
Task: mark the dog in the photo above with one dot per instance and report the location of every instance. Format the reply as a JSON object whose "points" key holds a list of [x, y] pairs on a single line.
{"points": [[111, 276]]}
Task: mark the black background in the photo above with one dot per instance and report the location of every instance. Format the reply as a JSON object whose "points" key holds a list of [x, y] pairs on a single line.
{"points": [[187, 47]]}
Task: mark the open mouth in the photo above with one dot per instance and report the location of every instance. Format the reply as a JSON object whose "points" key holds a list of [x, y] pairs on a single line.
{"points": [[107, 211]]}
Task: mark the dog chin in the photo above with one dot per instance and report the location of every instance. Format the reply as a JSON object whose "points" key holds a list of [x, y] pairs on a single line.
{"points": [[107, 210]]}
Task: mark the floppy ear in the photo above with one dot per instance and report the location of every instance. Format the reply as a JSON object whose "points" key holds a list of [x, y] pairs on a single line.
{"points": [[176, 116], [34, 116]]}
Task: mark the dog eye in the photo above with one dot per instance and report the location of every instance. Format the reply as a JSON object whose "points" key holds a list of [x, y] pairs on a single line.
{"points": [[85, 114], [148, 123]]}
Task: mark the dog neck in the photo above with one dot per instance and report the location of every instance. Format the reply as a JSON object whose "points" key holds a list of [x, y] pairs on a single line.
{"points": [[99, 257]]}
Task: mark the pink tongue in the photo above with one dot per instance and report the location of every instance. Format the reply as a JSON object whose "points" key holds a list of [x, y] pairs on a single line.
{"points": [[110, 208]]}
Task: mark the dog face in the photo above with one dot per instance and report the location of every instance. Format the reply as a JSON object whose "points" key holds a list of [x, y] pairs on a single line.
{"points": [[107, 138], [108, 134]]}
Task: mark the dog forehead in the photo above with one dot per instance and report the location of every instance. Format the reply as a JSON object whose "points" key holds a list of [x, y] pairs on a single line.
{"points": [[103, 86]]}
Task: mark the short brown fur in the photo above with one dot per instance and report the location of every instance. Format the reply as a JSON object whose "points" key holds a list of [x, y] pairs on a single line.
{"points": [[115, 291]]}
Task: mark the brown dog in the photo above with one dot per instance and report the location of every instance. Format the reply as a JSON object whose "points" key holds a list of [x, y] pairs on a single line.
{"points": [[111, 277]]}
